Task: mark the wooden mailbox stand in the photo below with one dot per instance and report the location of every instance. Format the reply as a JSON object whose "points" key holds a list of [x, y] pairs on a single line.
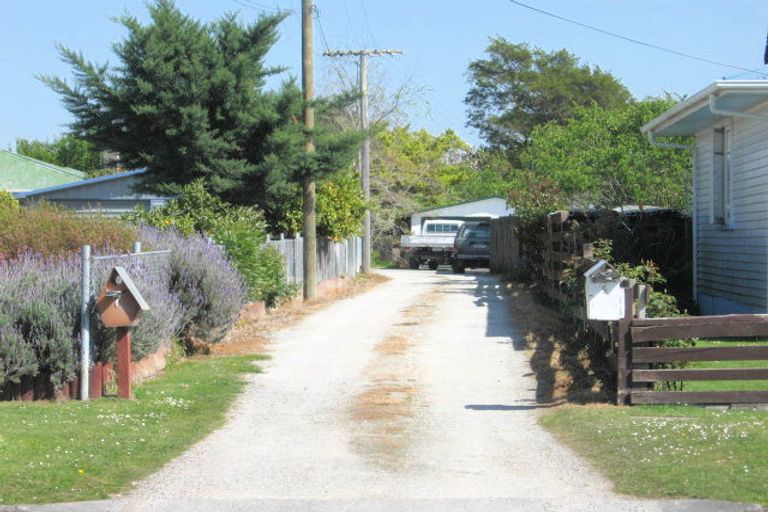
{"points": [[120, 305]]}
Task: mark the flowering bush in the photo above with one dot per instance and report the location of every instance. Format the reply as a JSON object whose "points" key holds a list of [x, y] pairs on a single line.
{"points": [[39, 318], [196, 291], [241, 230], [209, 287]]}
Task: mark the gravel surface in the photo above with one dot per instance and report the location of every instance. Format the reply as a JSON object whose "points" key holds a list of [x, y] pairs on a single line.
{"points": [[413, 396]]}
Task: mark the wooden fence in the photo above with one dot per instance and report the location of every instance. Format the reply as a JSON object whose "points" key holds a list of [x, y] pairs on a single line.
{"points": [[505, 248], [633, 342], [638, 352]]}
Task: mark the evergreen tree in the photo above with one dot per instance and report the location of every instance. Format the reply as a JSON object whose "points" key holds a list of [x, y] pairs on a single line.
{"points": [[188, 102]]}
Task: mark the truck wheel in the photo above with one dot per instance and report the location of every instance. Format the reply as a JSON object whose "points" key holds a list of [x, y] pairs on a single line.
{"points": [[433, 264], [458, 267], [413, 263]]}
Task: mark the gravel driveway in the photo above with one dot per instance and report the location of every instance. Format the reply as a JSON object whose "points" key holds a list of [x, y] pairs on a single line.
{"points": [[412, 397]]}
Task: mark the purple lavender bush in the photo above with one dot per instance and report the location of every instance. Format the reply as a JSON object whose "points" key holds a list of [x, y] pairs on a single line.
{"points": [[195, 292], [206, 282], [39, 318]]}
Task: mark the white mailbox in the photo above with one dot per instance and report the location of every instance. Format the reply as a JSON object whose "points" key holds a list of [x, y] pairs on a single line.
{"points": [[605, 295]]}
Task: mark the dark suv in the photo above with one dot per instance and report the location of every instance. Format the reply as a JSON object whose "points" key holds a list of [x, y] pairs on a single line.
{"points": [[471, 247]]}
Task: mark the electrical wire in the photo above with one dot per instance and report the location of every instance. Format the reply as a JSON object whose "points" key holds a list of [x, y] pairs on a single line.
{"points": [[258, 7], [635, 41], [341, 72], [367, 23]]}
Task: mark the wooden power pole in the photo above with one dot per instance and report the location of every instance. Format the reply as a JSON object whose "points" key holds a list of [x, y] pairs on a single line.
{"points": [[365, 150], [308, 186]]}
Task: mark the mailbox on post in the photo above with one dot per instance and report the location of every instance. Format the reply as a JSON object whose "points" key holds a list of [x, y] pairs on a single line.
{"points": [[604, 294], [121, 305]]}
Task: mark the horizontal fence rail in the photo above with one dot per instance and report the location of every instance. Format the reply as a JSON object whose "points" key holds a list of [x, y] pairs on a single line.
{"points": [[644, 360], [723, 326], [699, 397]]}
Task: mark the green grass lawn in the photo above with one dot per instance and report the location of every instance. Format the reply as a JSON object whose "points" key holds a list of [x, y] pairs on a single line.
{"points": [[671, 451], [71, 451], [728, 385]]}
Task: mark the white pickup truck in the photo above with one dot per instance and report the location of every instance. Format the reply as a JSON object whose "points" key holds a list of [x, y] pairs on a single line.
{"points": [[433, 245]]}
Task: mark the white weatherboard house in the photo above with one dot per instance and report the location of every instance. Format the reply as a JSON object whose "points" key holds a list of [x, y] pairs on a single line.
{"points": [[729, 120], [490, 208]]}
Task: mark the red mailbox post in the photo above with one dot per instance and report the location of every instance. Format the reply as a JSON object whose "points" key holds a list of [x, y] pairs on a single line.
{"points": [[121, 305]]}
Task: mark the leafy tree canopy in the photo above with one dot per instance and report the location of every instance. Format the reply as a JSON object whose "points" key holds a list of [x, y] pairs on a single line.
{"points": [[340, 208], [600, 158], [66, 151], [418, 165], [516, 88]]}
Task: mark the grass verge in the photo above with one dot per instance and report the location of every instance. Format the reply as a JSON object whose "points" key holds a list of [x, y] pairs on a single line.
{"points": [[669, 451], [71, 451]]}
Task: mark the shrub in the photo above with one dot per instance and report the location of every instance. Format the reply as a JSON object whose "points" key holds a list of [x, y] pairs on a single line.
{"points": [[40, 316], [262, 267], [208, 286], [17, 357], [196, 290], [52, 232], [8, 202], [241, 230]]}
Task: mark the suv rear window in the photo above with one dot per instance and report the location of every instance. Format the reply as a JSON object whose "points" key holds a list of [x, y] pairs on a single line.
{"points": [[477, 231]]}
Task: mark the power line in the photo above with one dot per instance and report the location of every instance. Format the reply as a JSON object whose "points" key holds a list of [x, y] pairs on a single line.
{"points": [[250, 4], [341, 72], [445, 110], [635, 41], [365, 150], [367, 23]]}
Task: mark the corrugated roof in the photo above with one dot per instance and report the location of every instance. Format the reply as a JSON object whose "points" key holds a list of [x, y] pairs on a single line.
{"points": [[440, 208], [82, 183], [20, 173]]}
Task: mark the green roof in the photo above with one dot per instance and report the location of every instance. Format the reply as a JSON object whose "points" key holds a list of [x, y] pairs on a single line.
{"points": [[21, 173]]}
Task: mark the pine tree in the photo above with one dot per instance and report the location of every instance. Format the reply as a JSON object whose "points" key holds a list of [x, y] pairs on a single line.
{"points": [[188, 101]]}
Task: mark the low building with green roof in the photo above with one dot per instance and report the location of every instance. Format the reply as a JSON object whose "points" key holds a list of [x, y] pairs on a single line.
{"points": [[20, 173]]}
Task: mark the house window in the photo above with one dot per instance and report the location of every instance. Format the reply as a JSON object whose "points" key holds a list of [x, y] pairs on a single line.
{"points": [[721, 177]]}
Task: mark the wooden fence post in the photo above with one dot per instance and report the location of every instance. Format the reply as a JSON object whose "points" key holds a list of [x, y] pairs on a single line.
{"points": [[624, 348], [124, 388]]}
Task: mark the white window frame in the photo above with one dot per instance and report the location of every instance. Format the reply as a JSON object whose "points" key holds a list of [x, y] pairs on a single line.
{"points": [[722, 179]]}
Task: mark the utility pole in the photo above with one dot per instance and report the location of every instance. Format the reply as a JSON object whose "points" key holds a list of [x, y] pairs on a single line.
{"points": [[365, 151], [308, 186]]}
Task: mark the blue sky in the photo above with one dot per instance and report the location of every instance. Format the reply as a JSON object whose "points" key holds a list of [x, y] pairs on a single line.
{"points": [[439, 37]]}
